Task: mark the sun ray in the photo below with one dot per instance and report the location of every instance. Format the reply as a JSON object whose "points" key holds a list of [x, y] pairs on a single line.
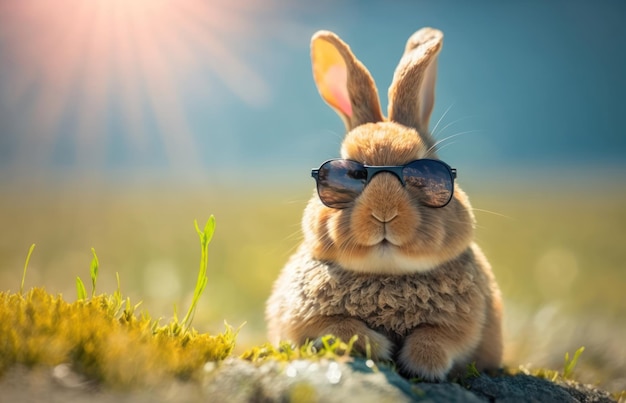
{"points": [[170, 118], [95, 81], [84, 77], [55, 62], [243, 80], [128, 79]]}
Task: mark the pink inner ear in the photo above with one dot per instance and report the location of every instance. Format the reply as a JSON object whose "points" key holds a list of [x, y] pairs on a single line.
{"points": [[336, 78], [331, 76]]}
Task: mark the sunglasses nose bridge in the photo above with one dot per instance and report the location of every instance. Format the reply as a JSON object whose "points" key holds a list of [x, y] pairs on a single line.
{"points": [[397, 171]]}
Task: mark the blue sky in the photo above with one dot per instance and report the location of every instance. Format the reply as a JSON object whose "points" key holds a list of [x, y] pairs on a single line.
{"points": [[181, 88]]}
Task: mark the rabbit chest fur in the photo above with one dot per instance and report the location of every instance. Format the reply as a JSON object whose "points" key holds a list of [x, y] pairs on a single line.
{"points": [[391, 304]]}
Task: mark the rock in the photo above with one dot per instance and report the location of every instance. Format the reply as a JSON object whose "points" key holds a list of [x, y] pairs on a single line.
{"points": [[302, 381], [236, 380], [507, 388], [356, 381]]}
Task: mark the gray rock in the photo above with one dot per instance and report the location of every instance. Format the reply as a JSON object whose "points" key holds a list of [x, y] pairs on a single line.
{"points": [[356, 381], [236, 380], [525, 388], [302, 381]]}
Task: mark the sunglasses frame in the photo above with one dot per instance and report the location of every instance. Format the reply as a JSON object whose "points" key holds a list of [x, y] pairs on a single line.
{"points": [[373, 170]]}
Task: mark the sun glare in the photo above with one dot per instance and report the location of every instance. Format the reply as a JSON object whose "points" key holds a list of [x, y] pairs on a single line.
{"points": [[69, 64]]}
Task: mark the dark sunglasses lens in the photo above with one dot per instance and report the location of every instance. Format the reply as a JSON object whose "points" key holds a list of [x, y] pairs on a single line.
{"points": [[432, 179], [339, 182]]}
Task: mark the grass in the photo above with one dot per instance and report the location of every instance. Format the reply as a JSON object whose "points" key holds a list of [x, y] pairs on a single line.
{"points": [[103, 338], [205, 237], [566, 374], [330, 347], [558, 257], [570, 364], [30, 252]]}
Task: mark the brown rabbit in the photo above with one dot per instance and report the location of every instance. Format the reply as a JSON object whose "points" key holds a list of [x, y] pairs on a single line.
{"points": [[388, 253]]}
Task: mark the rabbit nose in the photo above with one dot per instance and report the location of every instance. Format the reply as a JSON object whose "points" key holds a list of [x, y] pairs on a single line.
{"points": [[385, 216], [383, 195]]}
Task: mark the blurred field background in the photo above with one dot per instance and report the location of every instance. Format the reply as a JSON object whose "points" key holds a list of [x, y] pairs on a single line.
{"points": [[123, 121]]}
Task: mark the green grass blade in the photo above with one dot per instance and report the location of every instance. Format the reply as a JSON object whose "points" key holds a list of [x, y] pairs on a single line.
{"points": [[350, 346], [568, 368], [205, 237], [118, 292], [81, 293], [30, 252], [94, 272], [117, 295], [209, 229], [471, 370]]}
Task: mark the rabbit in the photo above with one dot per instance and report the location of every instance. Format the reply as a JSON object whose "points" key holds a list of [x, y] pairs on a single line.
{"points": [[404, 276]]}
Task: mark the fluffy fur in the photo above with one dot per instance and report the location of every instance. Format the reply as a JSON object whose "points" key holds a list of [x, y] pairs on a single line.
{"points": [[407, 279]]}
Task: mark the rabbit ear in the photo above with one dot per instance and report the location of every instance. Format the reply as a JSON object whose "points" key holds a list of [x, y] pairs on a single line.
{"points": [[412, 91], [343, 82]]}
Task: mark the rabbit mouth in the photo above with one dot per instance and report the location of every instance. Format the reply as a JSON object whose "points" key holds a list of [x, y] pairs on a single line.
{"points": [[384, 248], [386, 258], [386, 241], [386, 245]]}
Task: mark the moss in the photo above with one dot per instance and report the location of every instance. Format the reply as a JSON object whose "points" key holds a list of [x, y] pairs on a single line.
{"points": [[555, 376], [327, 346], [102, 337], [102, 341]]}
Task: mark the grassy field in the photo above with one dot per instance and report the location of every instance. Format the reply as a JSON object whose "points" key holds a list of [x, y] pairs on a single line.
{"points": [[559, 258]]}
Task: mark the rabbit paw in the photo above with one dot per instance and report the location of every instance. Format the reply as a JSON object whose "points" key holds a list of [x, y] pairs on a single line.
{"points": [[380, 348], [425, 360]]}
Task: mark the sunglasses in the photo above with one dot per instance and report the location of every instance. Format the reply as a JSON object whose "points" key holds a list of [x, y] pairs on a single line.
{"points": [[340, 182]]}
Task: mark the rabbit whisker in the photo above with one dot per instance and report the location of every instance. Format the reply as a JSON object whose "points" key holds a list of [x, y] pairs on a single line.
{"points": [[353, 248], [492, 212], [294, 235], [441, 118], [434, 134], [434, 146], [446, 145], [295, 201], [336, 134]]}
